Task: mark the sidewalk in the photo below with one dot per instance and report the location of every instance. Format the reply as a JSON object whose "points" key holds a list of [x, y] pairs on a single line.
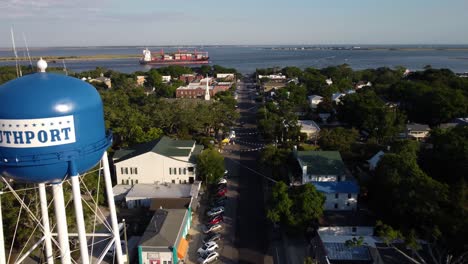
{"points": [[195, 233]]}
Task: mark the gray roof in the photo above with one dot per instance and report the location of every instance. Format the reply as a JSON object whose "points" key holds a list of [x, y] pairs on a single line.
{"points": [[315, 97], [339, 251], [163, 229], [322, 162], [417, 127], [347, 218], [164, 146], [168, 190]]}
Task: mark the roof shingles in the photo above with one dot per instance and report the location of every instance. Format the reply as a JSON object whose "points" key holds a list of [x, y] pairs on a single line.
{"points": [[322, 162], [164, 146]]}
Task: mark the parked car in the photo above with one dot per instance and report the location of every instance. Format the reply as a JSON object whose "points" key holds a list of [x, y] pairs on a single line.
{"points": [[217, 203], [208, 258], [212, 228], [222, 181], [221, 198], [207, 248], [221, 187], [212, 237], [221, 192], [215, 220], [215, 211]]}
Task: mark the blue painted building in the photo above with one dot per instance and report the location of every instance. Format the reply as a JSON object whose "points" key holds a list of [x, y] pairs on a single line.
{"points": [[340, 195]]}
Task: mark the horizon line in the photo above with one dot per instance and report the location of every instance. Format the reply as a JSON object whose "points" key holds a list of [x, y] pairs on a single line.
{"points": [[241, 45]]}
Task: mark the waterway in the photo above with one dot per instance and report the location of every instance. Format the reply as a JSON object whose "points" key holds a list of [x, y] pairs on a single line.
{"points": [[247, 58]]}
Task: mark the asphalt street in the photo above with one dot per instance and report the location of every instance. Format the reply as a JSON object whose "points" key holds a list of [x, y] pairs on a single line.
{"points": [[254, 238]]}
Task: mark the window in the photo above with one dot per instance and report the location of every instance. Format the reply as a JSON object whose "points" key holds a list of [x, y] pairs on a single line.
{"points": [[185, 171], [170, 171], [136, 181], [136, 170], [123, 182], [349, 195], [122, 171], [174, 170], [173, 181], [126, 170], [126, 182], [337, 195], [336, 206], [131, 170], [180, 171]]}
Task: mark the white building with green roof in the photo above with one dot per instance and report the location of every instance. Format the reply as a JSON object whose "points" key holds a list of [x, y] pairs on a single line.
{"points": [[162, 161], [321, 166]]}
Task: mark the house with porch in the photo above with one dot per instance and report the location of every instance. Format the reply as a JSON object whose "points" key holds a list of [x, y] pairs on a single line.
{"points": [[314, 100], [327, 172], [416, 131]]}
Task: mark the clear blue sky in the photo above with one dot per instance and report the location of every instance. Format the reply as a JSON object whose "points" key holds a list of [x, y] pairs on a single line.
{"points": [[185, 22]]}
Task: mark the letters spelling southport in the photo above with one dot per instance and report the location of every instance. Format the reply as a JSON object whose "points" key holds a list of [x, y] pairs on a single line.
{"points": [[41, 132]]}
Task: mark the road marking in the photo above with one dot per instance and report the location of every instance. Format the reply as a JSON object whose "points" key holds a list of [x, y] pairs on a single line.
{"points": [[252, 170]]}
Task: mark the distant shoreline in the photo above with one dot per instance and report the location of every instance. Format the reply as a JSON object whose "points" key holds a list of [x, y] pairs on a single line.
{"points": [[58, 59], [357, 48]]}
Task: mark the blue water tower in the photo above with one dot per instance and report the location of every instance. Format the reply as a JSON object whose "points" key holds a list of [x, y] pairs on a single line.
{"points": [[51, 127]]}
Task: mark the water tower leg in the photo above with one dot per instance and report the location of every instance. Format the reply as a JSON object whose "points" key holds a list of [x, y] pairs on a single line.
{"points": [[79, 213], [2, 241], [61, 219], [113, 212], [45, 222]]}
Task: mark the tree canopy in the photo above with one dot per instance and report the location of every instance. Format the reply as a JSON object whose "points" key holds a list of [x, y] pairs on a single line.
{"points": [[210, 165], [297, 207]]}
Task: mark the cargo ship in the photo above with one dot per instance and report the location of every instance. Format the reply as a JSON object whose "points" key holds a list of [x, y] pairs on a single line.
{"points": [[179, 57]]}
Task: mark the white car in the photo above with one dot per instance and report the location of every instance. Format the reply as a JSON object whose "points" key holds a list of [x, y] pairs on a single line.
{"points": [[212, 228], [208, 258], [215, 211], [222, 181], [207, 248]]}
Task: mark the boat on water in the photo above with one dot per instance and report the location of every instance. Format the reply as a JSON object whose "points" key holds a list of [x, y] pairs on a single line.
{"points": [[179, 57]]}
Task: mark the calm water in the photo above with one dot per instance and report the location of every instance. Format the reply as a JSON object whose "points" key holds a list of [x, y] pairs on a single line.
{"points": [[247, 59]]}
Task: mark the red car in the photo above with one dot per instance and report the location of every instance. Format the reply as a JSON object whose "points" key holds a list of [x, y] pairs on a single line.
{"points": [[221, 192], [216, 220]]}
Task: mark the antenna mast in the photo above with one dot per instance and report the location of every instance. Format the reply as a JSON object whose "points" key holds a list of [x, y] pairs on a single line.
{"points": [[18, 68], [65, 67], [27, 51]]}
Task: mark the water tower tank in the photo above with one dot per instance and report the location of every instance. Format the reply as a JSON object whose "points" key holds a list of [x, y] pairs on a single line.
{"points": [[48, 121]]}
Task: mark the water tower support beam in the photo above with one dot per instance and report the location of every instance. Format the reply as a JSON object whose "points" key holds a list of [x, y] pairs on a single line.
{"points": [[75, 182], [61, 218], [45, 222], [2, 241], [113, 212]]}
